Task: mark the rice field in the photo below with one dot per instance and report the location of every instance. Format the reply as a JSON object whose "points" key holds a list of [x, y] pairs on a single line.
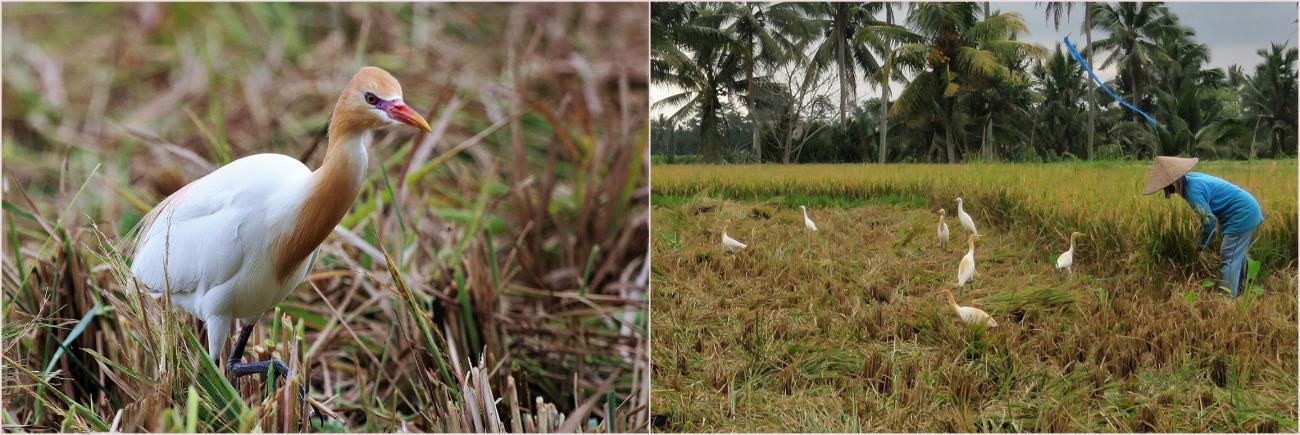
{"points": [[490, 276], [843, 329]]}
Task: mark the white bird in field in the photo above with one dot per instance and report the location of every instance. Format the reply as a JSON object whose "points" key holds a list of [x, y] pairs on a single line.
{"points": [[728, 242], [943, 229], [970, 315], [966, 269], [1066, 260], [967, 223], [234, 243], [806, 221]]}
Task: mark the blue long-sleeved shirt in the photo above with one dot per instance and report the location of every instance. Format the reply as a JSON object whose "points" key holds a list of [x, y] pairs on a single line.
{"points": [[1212, 197]]}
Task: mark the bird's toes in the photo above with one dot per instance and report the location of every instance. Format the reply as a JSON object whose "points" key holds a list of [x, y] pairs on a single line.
{"points": [[281, 370]]}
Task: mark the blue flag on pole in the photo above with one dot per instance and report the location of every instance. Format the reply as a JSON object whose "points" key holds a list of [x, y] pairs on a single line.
{"points": [[1093, 74]]}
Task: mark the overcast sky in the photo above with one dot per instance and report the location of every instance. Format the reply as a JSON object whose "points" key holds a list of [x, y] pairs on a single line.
{"points": [[1233, 31]]}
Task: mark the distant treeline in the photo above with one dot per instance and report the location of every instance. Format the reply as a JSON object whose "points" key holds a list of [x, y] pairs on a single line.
{"points": [[971, 89]]}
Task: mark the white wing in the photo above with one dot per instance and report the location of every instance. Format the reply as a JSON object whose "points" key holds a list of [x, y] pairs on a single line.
{"points": [[972, 315], [966, 269], [967, 223], [809, 223], [1065, 260], [943, 231], [206, 230], [731, 243]]}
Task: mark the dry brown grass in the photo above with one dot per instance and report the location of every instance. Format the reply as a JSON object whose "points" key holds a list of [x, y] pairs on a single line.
{"points": [[843, 331], [516, 230]]}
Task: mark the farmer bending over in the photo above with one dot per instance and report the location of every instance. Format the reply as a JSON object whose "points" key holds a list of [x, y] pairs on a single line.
{"points": [[1212, 198]]}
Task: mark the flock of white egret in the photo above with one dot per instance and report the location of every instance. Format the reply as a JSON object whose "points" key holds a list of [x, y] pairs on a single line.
{"points": [[965, 268]]}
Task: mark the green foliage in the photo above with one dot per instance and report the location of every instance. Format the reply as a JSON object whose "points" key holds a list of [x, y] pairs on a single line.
{"points": [[973, 90]]}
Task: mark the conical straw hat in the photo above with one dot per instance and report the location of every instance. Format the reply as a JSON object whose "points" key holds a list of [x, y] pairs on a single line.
{"points": [[1165, 170]]}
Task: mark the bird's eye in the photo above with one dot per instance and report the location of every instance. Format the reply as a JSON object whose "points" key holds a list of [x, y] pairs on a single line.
{"points": [[371, 99]]}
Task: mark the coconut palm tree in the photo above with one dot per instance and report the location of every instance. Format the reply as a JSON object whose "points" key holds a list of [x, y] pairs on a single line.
{"points": [[693, 56], [961, 54], [1054, 12], [764, 35], [1133, 30], [840, 23], [883, 40], [1269, 95], [1062, 93]]}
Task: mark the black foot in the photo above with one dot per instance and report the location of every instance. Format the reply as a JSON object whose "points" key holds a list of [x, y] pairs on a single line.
{"points": [[237, 369], [278, 371]]}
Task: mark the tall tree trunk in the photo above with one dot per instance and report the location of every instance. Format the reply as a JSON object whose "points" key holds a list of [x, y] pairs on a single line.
{"points": [[749, 101], [1254, 134], [708, 143], [1092, 86], [947, 132], [842, 60], [884, 91], [884, 120], [1133, 86], [984, 138], [1032, 134], [986, 10], [672, 139], [986, 141], [952, 151], [992, 140]]}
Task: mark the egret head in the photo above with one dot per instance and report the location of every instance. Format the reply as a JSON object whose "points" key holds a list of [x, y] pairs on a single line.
{"points": [[1077, 234], [946, 294], [942, 212], [373, 99]]}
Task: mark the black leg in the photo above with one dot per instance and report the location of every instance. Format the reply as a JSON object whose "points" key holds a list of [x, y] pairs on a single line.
{"points": [[237, 353], [237, 369]]}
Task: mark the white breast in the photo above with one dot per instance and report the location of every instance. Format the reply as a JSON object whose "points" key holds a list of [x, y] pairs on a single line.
{"points": [[966, 269], [1065, 260], [209, 244]]}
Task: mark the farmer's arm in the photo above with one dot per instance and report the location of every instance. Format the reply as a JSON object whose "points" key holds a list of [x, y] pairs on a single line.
{"points": [[1208, 222]]}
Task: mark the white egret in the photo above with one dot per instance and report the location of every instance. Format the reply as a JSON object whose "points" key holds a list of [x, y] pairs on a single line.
{"points": [[1066, 260], [806, 221], [967, 223], [728, 242], [966, 269], [943, 229], [970, 315], [235, 243]]}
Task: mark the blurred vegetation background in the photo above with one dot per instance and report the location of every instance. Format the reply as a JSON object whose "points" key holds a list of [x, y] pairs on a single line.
{"points": [[491, 275]]}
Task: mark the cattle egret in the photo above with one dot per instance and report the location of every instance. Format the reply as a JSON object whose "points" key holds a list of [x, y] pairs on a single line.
{"points": [[1066, 260], [943, 229], [728, 242], [233, 244], [970, 315], [806, 221], [966, 269], [967, 223]]}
